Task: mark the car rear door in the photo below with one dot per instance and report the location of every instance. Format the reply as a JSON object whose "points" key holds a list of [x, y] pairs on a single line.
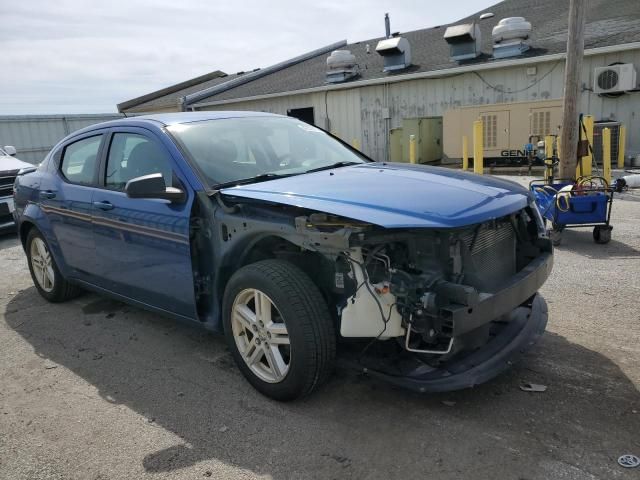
{"points": [[142, 245], [66, 198]]}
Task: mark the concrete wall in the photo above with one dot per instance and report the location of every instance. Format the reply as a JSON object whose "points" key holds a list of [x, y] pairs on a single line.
{"points": [[34, 135], [361, 113]]}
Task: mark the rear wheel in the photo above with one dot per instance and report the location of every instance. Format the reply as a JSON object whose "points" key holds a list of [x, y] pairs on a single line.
{"points": [[279, 329], [601, 234], [45, 273]]}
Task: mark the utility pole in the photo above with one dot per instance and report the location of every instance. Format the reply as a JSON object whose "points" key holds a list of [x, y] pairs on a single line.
{"points": [[572, 74]]}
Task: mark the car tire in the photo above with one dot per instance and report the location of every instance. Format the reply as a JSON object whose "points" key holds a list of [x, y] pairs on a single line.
{"points": [[291, 325], [556, 236], [44, 272]]}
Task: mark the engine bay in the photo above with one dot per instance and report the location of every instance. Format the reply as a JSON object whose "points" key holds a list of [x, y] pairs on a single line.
{"points": [[413, 284]]}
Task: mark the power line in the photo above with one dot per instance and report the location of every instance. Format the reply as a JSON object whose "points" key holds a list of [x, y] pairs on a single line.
{"points": [[500, 90]]}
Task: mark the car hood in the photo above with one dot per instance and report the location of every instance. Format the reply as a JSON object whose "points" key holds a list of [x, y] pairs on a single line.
{"points": [[11, 164], [394, 195]]}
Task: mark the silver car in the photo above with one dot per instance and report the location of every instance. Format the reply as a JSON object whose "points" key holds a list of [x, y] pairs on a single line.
{"points": [[10, 168]]}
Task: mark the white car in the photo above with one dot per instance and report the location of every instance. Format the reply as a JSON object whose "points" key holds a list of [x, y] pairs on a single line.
{"points": [[10, 168]]}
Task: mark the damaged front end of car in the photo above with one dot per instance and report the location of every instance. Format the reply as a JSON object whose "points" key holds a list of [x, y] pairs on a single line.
{"points": [[430, 309]]}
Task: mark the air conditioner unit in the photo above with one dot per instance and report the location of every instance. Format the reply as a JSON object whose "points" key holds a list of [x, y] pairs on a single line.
{"points": [[614, 78]]}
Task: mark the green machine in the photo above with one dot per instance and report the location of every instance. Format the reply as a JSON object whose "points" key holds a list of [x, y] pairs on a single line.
{"points": [[428, 133]]}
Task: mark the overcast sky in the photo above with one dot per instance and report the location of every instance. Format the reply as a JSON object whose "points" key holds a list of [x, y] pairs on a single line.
{"points": [[85, 56]]}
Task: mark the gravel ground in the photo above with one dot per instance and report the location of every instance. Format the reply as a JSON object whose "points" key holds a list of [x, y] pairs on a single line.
{"points": [[94, 389]]}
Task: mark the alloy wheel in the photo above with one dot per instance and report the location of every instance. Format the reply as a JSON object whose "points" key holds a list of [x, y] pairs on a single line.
{"points": [[42, 265], [261, 335]]}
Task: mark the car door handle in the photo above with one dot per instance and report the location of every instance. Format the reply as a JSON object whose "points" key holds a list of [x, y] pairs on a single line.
{"points": [[104, 205], [47, 194]]}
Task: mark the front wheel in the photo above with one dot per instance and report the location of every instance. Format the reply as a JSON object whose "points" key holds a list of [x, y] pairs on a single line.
{"points": [[45, 273], [555, 235], [279, 329]]}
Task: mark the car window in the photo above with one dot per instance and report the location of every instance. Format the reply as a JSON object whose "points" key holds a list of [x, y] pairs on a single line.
{"points": [[131, 156], [80, 160]]}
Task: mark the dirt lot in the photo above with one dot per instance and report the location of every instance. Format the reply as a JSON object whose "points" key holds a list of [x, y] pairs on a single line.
{"points": [[94, 389]]}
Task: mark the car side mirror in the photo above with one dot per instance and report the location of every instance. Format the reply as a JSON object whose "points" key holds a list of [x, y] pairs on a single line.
{"points": [[153, 186], [10, 149]]}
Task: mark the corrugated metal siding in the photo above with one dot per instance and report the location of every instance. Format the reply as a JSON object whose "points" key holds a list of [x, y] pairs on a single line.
{"points": [[34, 135], [358, 113], [373, 101], [625, 109], [343, 108]]}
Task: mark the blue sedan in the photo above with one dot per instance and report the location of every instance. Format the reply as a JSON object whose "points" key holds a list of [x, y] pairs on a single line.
{"points": [[300, 249]]}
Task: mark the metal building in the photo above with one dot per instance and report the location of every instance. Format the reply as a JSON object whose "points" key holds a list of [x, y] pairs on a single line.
{"points": [[374, 93], [34, 135], [169, 99]]}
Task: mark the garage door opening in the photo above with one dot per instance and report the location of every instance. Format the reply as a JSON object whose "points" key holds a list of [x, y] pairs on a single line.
{"points": [[305, 114]]}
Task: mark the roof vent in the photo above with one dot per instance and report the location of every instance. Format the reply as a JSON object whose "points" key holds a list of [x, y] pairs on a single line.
{"points": [[394, 49], [341, 66], [509, 37], [464, 41], [396, 52]]}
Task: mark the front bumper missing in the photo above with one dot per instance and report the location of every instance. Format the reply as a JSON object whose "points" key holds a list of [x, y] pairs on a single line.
{"points": [[520, 287], [526, 324]]}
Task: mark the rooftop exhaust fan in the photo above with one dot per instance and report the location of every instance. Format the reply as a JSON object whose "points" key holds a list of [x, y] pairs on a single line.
{"points": [[464, 41], [341, 66], [395, 50], [509, 37]]}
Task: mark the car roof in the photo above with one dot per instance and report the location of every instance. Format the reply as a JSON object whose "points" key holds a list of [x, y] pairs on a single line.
{"points": [[166, 119]]}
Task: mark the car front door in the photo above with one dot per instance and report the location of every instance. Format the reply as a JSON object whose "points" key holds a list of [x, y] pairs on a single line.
{"points": [[66, 198], [142, 245]]}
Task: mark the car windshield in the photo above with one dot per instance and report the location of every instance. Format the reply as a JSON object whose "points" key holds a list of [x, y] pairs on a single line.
{"points": [[3, 153], [241, 149]]}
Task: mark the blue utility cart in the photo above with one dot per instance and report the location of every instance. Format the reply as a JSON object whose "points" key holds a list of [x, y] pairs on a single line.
{"points": [[585, 205]]}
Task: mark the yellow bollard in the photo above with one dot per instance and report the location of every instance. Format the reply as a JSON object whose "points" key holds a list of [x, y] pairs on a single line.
{"points": [[355, 143], [478, 148], [586, 161], [465, 153], [621, 145], [548, 154], [412, 148], [558, 147], [606, 155]]}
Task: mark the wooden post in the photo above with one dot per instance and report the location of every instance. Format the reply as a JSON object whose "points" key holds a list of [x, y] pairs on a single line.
{"points": [[572, 75], [478, 148], [606, 155], [586, 161], [465, 153], [356, 144], [412, 148], [622, 141]]}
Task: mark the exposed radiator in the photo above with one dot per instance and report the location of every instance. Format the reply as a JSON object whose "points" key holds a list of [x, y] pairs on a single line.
{"points": [[492, 259]]}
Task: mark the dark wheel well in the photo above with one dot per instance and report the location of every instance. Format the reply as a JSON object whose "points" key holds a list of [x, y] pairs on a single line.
{"points": [[315, 265], [25, 228], [273, 247]]}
